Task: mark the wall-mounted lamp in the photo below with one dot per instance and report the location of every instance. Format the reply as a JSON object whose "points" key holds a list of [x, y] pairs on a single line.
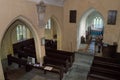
{"points": [[41, 7]]}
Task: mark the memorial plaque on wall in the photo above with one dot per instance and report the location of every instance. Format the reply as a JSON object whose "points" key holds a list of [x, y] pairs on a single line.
{"points": [[112, 17], [72, 16]]}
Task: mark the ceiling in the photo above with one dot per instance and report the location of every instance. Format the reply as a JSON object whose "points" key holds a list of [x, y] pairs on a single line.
{"points": [[51, 2]]}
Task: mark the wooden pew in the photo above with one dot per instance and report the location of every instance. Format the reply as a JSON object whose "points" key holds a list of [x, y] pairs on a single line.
{"points": [[12, 59], [59, 56], [25, 54], [29, 50], [50, 44], [26, 43], [56, 62], [69, 55], [106, 59], [25, 48], [55, 69], [107, 65], [105, 69], [66, 53], [104, 74]]}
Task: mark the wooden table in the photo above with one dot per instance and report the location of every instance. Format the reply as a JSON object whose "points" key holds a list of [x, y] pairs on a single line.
{"points": [[54, 69]]}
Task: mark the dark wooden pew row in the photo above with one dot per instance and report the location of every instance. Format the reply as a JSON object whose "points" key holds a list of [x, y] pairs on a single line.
{"points": [[26, 43], [106, 59], [56, 62], [105, 69], [111, 66], [12, 59], [59, 56], [104, 74], [69, 55], [25, 54], [106, 62], [25, 48], [50, 44], [55, 69], [30, 50], [66, 53]]}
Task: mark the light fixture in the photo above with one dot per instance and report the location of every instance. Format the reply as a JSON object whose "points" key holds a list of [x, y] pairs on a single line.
{"points": [[41, 7]]}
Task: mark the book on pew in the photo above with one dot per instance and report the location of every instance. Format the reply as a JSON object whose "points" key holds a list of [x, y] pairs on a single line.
{"points": [[31, 60], [36, 65], [48, 68]]}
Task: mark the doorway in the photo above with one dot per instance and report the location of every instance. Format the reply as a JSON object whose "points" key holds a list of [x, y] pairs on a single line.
{"points": [[91, 23]]}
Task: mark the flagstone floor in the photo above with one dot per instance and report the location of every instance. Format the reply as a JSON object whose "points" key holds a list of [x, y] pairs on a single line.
{"points": [[78, 71], [80, 67]]}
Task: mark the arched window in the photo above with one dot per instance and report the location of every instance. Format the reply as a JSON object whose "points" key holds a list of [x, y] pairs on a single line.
{"points": [[97, 28], [98, 22], [48, 25], [21, 31]]}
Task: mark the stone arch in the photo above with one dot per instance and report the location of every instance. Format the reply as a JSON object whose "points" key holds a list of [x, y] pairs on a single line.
{"points": [[82, 23], [34, 32], [59, 37], [31, 27]]}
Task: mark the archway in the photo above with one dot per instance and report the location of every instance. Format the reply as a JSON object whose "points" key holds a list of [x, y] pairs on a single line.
{"points": [[86, 22], [52, 31], [21, 20]]}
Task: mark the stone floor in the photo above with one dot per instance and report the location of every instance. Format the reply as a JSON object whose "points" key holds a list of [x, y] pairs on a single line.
{"points": [[78, 71], [80, 67]]}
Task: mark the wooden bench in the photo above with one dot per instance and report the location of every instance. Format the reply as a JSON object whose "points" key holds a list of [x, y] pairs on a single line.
{"points": [[27, 46], [28, 49], [106, 59], [69, 55], [104, 68], [54, 69], [12, 59], [107, 65], [57, 62], [59, 56], [25, 54], [50, 44], [106, 73]]}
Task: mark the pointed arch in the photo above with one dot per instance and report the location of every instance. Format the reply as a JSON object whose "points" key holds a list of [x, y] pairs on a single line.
{"points": [[58, 31], [31, 27], [82, 24]]}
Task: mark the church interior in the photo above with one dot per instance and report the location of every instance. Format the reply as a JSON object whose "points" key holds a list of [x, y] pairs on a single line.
{"points": [[59, 40]]}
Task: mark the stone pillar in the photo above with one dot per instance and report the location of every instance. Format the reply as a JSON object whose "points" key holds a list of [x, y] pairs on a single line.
{"points": [[41, 7]]}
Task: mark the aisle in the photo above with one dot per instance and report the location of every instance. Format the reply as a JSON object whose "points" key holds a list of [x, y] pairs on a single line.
{"points": [[80, 67], [92, 47]]}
